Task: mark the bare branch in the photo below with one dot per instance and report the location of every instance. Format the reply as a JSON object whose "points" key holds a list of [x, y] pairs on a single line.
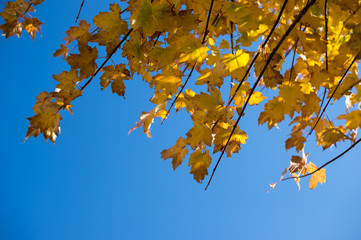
{"points": [[81, 7]]}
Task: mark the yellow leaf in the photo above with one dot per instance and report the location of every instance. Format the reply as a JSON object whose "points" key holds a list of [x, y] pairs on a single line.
{"points": [[199, 134], [191, 50], [147, 118], [330, 136], [169, 81], [238, 60], [353, 119], [212, 76], [224, 44], [274, 113], [111, 21], [291, 94], [62, 51], [317, 177], [296, 140], [85, 60], [256, 98], [32, 25], [177, 153], [221, 136], [47, 118], [116, 75], [81, 33], [199, 163]]}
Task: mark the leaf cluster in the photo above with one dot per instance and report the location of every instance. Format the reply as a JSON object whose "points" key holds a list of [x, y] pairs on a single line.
{"points": [[169, 42]]}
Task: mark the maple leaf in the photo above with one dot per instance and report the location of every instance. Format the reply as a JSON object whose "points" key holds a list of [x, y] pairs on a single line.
{"points": [[191, 50], [46, 120], [168, 81], [177, 153], [212, 76], [221, 136], [115, 75], [32, 25], [330, 136], [317, 177], [85, 60], [111, 22], [199, 163], [81, 33], [353, 119], [296, 140], [297, 164], [291, 94], [274, 113], [62, 51], [147, 118], [236, 63], [65, 91], [199, 134]]}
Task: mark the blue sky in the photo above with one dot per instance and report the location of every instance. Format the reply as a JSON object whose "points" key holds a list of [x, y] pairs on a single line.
{"points": [[98, 182]]}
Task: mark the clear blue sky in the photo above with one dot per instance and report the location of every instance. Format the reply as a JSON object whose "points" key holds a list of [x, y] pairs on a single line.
{"points": [[98, 182]]}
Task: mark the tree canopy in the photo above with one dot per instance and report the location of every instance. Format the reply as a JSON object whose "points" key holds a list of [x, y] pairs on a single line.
{"points": [[202, 57]]}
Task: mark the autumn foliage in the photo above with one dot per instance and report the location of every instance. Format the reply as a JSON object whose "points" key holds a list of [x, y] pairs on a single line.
{"points": [[172, 44]]}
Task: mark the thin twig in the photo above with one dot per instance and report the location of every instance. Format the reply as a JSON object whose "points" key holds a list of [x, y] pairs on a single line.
{"points": [[333, 93], [209, 16], [81, 7], [106, 60], [293, 61], [324, 165], [350, 87], [290, 28], [123, 11], [326, 30]]}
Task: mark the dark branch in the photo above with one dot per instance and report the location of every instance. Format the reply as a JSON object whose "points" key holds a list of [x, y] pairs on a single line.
{"points": [[326, 30], [290, 28], [209, 16], [106, 60], [333, 93], [81, 7], [350, 87], [324, 165], [293, 62]]}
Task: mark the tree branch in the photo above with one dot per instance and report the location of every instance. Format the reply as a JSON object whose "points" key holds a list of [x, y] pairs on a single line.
{"points": [[326, 30], [333, 93], [209, 15], [290, 28], [324, 165], [106, 60], [81, 7]]}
